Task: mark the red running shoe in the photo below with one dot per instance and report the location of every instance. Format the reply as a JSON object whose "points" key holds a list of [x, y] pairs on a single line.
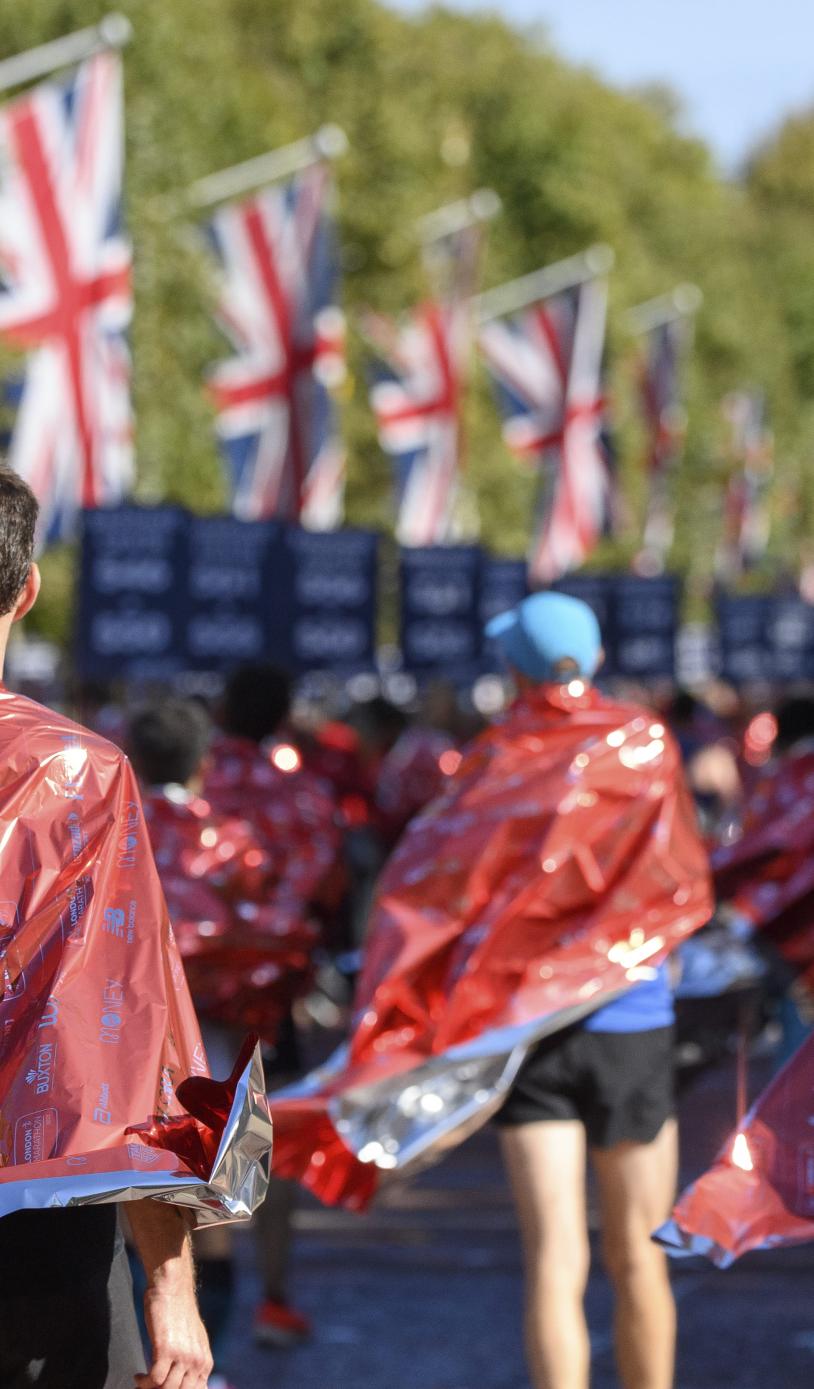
{"points": [[277, 1324]]}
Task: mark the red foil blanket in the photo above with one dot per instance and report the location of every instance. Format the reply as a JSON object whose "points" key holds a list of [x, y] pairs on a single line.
{"points": [[767, 875], [104, 1092], [245, 961], [759, 1193], [291, 813], [560, 865]]}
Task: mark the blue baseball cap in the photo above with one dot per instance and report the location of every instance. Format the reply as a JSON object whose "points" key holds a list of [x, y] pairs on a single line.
{"points": [[545, 629]]}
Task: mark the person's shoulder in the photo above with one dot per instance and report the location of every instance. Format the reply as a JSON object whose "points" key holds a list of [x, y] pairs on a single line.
{"points": [[44, 730], [639, 722]]}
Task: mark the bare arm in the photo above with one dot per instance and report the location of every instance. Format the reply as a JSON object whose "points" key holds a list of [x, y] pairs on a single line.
{"points": [[181, 1355]]}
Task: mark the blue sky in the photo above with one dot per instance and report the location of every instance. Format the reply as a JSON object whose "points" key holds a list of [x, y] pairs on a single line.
{"points": [[738, 66]]}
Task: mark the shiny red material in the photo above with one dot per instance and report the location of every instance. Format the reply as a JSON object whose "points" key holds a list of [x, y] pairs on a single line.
{"points": [[97, 1029], [245, 959], [767, 874], [412, 774], [759, 1193], [291, 813], [561, 863]]}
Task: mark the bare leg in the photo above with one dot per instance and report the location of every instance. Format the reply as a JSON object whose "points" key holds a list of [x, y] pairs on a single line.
{"points": [[636, 1188], [546, 1166]]}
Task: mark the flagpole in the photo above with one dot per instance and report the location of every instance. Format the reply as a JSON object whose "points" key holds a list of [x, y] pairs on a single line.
{"points": [[114, 31], [329, 142], [455, 217], [540, 284], [682, 302]]}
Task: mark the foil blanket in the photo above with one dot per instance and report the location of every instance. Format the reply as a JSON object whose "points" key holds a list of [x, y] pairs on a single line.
{"points": [[560, 865], [767, 875], [104, 1087], [245, 957], [759, 1193]]}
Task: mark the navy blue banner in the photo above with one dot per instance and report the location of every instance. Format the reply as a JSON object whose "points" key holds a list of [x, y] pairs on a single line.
{"points": [[333, 612], [765, 637], [133, 593], [503, 584], [228, 583], [441, 628], [645, 626], [162, 592]]}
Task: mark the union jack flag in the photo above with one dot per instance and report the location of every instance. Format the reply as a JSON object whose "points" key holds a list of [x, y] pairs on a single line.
{"points": [[746, 521], [418, 390], [275, 415], [660, 391], [65, 290], [664, 349], [416, 400], [546, 366]]}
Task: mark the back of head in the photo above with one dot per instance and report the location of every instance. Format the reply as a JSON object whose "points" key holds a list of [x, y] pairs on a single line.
{"points": [[378, 724], [18, 521], [548, 637], [167, 741], [256, 701]]}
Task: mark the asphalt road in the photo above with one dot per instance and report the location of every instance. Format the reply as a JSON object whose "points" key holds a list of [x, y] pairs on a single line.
{"points": [[424, 1291]]}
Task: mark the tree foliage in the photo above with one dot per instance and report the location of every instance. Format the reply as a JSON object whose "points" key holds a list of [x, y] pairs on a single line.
{"points": [[435, 106]]}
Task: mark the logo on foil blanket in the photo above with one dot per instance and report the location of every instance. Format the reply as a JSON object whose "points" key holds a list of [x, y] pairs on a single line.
{"points": [[110, 1029], [101, 1110], [35, 1136], [50, 1014], [41, 1074], [74, 920], [121, 925], [77, 834], [138, 1152], [128, 837]]}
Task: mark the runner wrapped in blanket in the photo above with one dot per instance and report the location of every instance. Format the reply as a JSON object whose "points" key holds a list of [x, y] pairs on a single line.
{"points": [[105, 1096]]}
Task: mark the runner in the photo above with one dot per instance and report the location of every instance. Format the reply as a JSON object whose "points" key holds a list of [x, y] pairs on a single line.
{"points": [[77, 974], [554, 873], [604, 1085]]}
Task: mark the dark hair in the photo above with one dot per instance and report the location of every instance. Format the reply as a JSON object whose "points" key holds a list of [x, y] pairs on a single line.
{"points": [[378, 722], [168, 741], [256, 701], [795, 721], [18, 520]]}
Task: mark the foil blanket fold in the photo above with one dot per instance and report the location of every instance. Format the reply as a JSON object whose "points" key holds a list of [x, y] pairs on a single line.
{"points": [[759, 1192], [104, 1086], [561, 865]]}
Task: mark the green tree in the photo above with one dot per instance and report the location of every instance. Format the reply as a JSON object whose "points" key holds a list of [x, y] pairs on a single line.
{"points": [[435, 105]]}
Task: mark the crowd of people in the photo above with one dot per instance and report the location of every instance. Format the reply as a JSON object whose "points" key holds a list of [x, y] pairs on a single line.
{"points": [[495, 914]]}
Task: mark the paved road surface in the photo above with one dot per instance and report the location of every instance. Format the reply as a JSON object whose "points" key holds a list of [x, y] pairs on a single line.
{"points": [[424, 1291]]}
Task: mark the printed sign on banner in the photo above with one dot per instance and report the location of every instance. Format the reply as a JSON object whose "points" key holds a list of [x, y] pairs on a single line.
{"points": [[132, 593], [440, 608], [790, 638], [333, 616], [645, 623], [743, 625], [765, 637], [227, 564], [503, 584]]}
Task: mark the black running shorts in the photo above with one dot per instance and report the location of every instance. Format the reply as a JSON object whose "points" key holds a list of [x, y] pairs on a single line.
{"points": [[618, 1084], [67, 1319]]}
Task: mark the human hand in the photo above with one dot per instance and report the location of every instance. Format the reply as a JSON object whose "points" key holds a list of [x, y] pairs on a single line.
{"points": [[181, 1355]]}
